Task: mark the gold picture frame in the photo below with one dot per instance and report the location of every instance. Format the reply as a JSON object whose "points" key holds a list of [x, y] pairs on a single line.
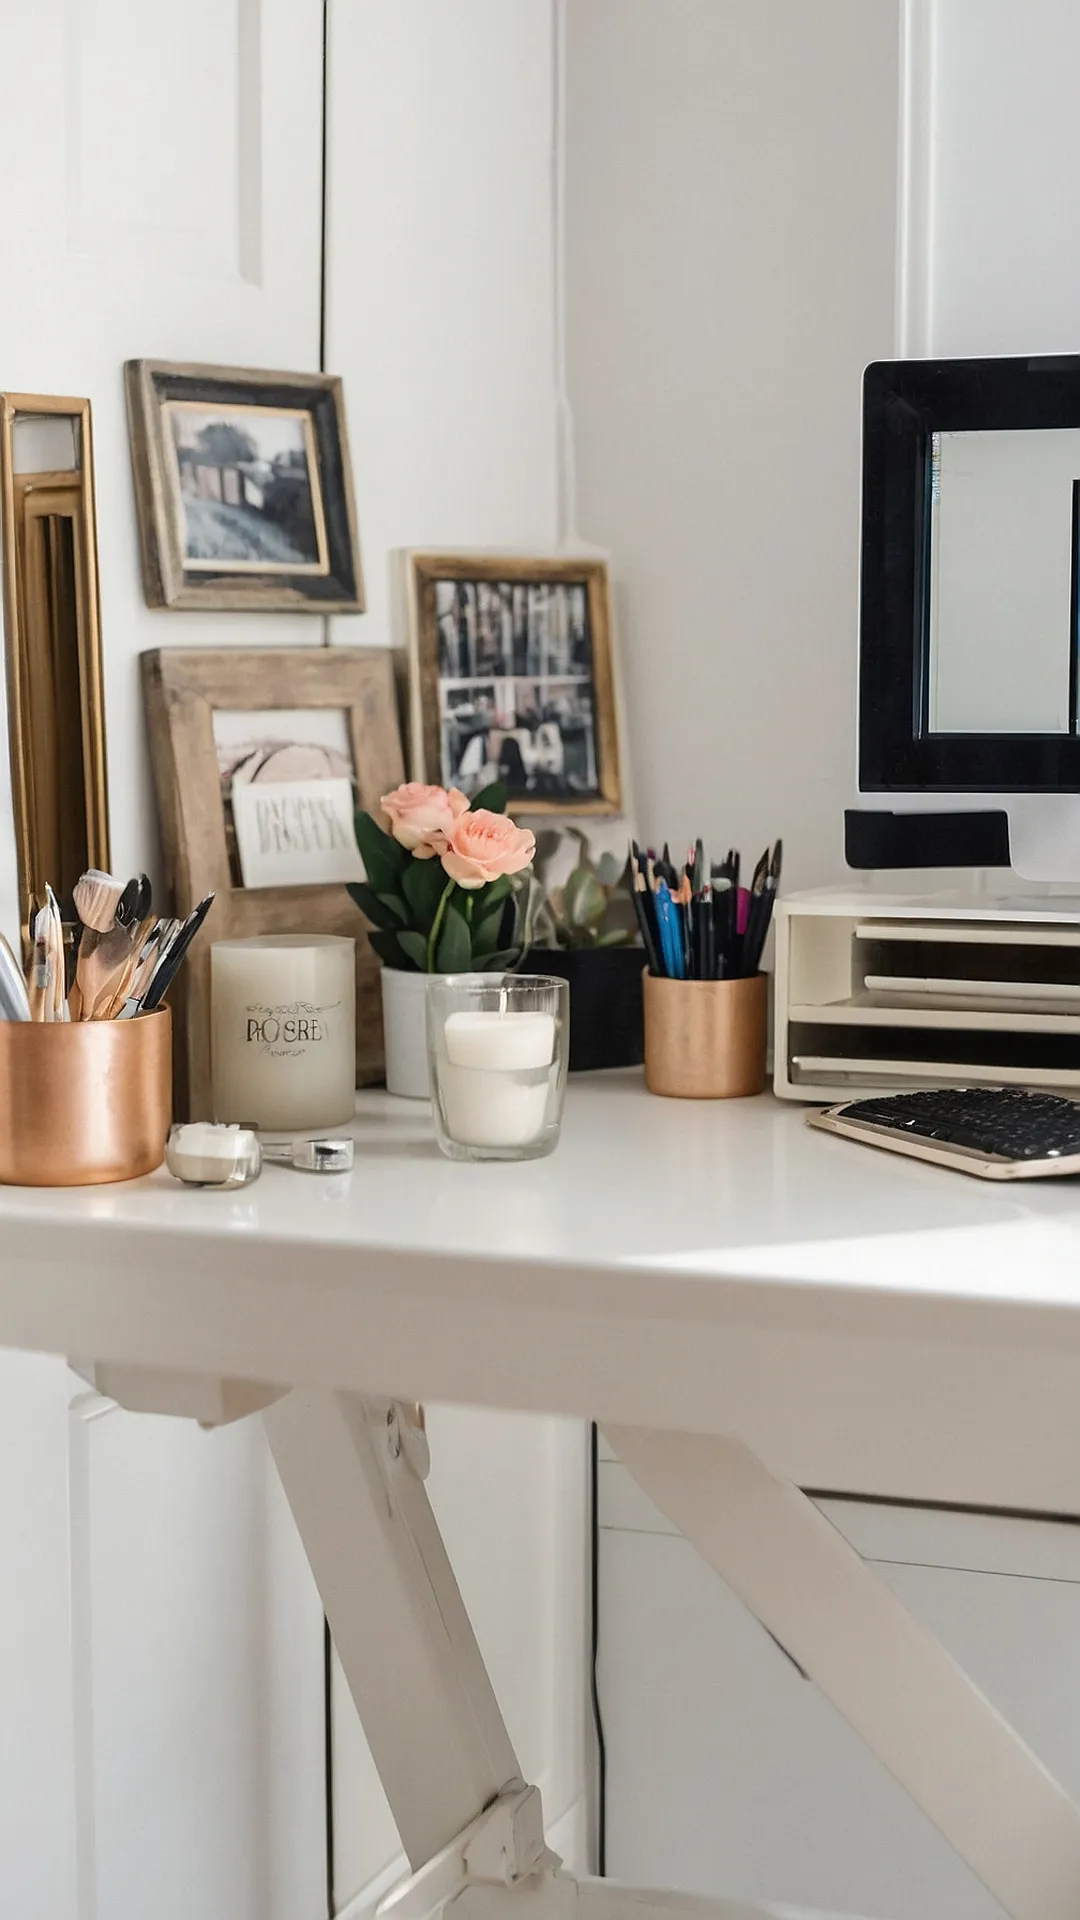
{"points": [[243, 489], [183, 689], [511, 677], [52, 617]]}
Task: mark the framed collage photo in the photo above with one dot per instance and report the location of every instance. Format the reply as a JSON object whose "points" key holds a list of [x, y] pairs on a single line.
{"points": [[511, 679], [243, 489]]}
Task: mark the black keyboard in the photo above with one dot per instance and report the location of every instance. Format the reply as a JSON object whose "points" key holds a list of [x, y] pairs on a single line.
{"points": [[999, 1132]]}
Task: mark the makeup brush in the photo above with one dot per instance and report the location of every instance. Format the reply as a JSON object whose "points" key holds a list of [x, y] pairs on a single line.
{"points": [[139, 936], [169, 964], [57, 960], [97, 896], [46, 967], [101, 971]]}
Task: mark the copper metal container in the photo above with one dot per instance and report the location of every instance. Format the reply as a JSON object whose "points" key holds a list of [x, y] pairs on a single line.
{"points": [[705, 1039], [85, 1102]]}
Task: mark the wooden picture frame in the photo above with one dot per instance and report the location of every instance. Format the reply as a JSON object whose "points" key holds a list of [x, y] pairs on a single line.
{"points": [[243, 489], [52, 619], [183, 689], [531, 680]]}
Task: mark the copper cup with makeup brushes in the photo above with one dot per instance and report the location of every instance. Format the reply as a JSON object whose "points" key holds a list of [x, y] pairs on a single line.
{"points": [[86, 1061], [83, 1102]]}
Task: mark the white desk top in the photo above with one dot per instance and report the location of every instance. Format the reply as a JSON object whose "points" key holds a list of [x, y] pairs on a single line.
{"points": [[672, 1263]]}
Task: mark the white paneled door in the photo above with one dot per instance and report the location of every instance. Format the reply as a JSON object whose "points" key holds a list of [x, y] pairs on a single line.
{"points": [[161, 1656]]}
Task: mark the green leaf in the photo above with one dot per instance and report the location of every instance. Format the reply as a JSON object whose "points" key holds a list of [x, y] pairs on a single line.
{"points": [[584, 899], [384, 861], [386, 946], [493, 798], [384, 910], [415, 946], [610, 869], [502, 962], [495, 890], [614, 937], [454, 951], [487, 933], [424, 884]]}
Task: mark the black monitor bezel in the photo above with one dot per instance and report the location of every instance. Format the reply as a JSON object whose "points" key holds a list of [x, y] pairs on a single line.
{"points": [[904, 403]]}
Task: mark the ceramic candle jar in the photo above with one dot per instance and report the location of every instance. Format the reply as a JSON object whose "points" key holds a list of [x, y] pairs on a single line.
{"points": [[283, 1031], [498, 1064]]}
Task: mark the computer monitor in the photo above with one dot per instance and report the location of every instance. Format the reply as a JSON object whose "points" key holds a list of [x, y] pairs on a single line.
{"points": [[969, 664]]}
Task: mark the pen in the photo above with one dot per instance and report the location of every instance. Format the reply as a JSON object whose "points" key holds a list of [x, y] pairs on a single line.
{"points": [[643, 908]]}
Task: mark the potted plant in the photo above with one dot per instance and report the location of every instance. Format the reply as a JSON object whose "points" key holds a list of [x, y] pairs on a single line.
{"points": [[584, 931], [438, 895]]}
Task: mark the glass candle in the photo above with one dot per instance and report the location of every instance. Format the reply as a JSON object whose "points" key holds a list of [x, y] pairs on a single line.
{"points": [[498, 1047], [283, 1030]]}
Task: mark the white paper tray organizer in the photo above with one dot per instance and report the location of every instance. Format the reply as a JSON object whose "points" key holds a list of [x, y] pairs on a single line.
{"points": [[876, 993]]}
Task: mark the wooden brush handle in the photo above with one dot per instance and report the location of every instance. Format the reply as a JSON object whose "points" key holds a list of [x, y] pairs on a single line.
{"points": [[100, 972], [139, 935]]}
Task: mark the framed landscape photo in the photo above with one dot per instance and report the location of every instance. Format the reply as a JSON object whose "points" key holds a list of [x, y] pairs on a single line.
{"points": [[243, 489], [260, 761], [511, 679]]}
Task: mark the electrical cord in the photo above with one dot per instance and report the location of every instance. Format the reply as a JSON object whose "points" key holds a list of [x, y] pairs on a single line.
{"points": [[594, 1680]]}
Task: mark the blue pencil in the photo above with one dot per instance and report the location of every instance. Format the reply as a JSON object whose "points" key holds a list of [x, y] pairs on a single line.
{"points": [[669, 921]]}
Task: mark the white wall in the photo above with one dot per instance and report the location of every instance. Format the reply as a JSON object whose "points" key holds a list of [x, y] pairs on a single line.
{"points": [[731, 192], [440, 318], [992, 264], [440, 295], [127, 235]]}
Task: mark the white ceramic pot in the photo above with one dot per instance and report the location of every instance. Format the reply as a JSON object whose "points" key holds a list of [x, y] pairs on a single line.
{"points": [[405, 1033]]}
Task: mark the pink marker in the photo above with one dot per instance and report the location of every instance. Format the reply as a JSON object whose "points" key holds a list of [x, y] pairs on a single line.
{"points": [[742, 910]]}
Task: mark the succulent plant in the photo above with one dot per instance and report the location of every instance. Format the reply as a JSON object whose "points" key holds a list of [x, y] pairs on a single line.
{"points": [[590, 908]]}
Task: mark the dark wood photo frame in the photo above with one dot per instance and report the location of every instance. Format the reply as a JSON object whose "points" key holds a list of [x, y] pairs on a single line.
{"points": [[243, 489], [183, 688]]}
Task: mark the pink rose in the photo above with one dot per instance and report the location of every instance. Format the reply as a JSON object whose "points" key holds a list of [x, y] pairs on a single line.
{"points": [[421, 817], [484, 845]]}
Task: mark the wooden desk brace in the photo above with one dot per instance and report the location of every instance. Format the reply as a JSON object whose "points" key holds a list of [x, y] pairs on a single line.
{"points": [[353, 1472]]}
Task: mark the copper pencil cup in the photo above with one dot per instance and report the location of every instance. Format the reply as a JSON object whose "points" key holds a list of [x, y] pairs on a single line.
{"points": [[705, 1039], [84, 1102]]}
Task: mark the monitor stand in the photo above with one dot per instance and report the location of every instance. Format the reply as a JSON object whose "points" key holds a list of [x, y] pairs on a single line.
{"points": [[1044, 835], [1037, 835]]}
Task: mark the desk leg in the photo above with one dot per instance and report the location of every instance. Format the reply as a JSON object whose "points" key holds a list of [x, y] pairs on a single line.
{"points": [[353, 1471], [894, 1683]]}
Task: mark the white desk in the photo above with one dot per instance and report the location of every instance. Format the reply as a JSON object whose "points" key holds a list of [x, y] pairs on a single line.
{"points": [[680, 1272]]}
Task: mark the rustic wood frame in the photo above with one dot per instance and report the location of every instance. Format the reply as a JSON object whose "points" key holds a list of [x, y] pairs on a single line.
{"points": [[182, 690], [425, 751], [167, 580]]}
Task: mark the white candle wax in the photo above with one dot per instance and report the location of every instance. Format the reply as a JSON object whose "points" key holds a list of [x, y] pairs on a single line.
{"points": [[283, 1031], [500, 1040], [496, 1078]]}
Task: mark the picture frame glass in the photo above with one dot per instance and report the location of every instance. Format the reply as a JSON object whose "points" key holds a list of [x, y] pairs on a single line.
{"points": [[517, 691], [246, 488]]}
